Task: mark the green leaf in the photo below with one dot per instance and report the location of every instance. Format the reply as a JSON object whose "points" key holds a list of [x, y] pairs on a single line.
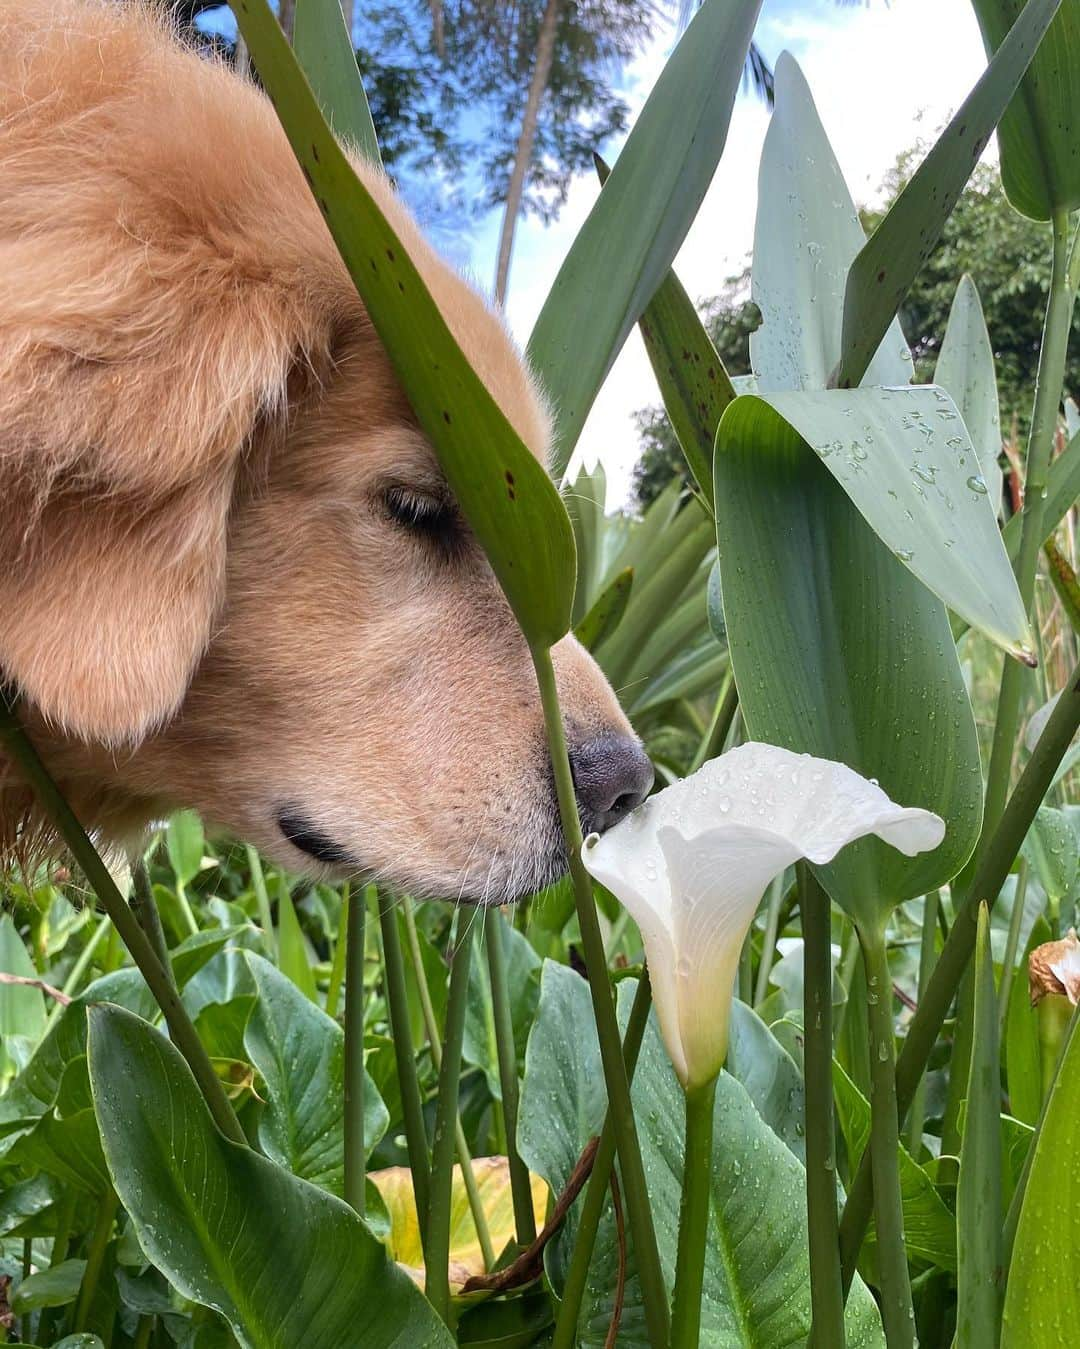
{"points": [[282, 1261], [965, 370], [978, 1195], [756, 1270], [293, 958], [1051, 848], [1040, 132], [53, 1287], [324, 48], [300, 1053], [195, 951], [185, 842], [904, 457], [623, 251], [24, 1205], [502, 488], [882, 274], [791, 543], [693, 383], [769, 1075], [1042, 1298], [805, 238], [22, 1007], [606, 613], [929, 1227], [1062, 490]]}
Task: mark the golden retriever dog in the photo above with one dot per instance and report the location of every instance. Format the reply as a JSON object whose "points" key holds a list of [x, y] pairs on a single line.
{"points": [[231, 573]]}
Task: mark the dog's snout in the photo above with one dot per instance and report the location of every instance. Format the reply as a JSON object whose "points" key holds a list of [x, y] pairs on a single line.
{"points": [[612, 775]]}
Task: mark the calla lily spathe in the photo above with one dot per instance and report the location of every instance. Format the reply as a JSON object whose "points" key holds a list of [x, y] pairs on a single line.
{"points": [[693, 862]]}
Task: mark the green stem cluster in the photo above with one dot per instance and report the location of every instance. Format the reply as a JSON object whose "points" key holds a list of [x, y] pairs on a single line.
{"points": [[650, 1273], [437, 1246], [693, 1216], [354, 914]]}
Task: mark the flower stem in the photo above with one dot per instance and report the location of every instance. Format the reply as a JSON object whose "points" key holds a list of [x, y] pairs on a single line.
{"points": [[896, 1307], [412, 1109], [650, 1274], [82, 964], [355, 913], [823, 1218], [994, 867], [262, 898], [1044, 420], [521, 1193], [917, 1115], [95, 1256], [65, 1218], [693, 1216], [592, 1206], [431, 1026], [437, 1247], [124, 921], [337, 966]]}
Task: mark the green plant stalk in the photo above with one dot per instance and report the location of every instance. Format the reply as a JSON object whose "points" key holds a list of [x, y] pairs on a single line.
{"points": [[412, 1109], [521, 1192], [355, 1148], [65, 1217], [431, 1025], [95, 1256], [917, 1114], [959, 1067], [896, 1306], [823, 1218], [145, 1330], [994, 867], [650, 1274], [713, 741], [768, 941], [1048, 388], [145, 908], [262, 898], [185, 907], [437, 1247], [693, 1217], [337, 965], [1012, 944], [592, 1207], [123, 921], [82, 964], [27, 1265]]}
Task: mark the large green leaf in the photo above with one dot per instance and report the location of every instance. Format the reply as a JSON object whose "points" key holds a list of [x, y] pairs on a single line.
{"points": [[324, 48], [623, 251], [757, 1270], [504, 491], [965, 370], [805, 239], [53, 1287], [904, 457], [978, 1194], [284, 1262], [882, 274], [817, 607], [1042, 1298], [22, 1007], [1052, 850], [300, 1053], [1039, 136]]}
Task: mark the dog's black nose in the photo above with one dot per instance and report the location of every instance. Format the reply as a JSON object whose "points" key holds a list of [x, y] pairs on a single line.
{"points": [[612, 775]]}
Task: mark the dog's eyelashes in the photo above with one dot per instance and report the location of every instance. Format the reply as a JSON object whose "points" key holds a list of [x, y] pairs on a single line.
{"points": [[422, 514]]}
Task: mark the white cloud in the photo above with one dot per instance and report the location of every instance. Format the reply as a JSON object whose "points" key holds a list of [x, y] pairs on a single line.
{"points": [[881, 77]]}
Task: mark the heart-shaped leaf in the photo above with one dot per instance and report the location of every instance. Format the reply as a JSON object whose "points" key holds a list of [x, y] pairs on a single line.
{"points": [[284, 1262]]}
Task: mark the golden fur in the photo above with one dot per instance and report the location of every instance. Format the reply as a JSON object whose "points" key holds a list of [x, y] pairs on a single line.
{"points": [[203, 598]]}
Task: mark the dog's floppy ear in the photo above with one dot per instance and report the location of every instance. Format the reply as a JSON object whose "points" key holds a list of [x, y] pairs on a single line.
{"points": [[158, 275]]}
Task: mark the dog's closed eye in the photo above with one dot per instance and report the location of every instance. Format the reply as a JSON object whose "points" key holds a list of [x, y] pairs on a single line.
{"points": [[433, 517]]}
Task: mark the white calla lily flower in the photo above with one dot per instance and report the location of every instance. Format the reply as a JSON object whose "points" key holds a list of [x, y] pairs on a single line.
{"points": [[693, 862]]}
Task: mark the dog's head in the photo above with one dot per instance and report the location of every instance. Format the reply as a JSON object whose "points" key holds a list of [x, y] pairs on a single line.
{"points": [[231, 572]]}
